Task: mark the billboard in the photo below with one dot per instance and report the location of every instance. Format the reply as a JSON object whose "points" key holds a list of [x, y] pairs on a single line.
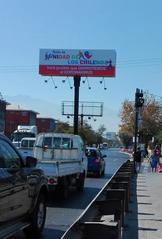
{"points": [[66, 62]]}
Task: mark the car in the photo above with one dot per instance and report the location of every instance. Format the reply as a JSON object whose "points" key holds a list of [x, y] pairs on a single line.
{"points": [[96, 162], [23, 193]]}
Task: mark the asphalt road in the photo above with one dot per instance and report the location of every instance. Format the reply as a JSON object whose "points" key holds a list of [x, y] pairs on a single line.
{"points": [[62, 213]]}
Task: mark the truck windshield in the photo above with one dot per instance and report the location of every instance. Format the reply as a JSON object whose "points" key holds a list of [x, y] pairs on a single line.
{"points": [[25, 143], [19, 135], [105, 145]]}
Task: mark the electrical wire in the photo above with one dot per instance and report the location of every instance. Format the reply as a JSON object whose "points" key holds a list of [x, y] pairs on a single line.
{"points": [[123, 63]]}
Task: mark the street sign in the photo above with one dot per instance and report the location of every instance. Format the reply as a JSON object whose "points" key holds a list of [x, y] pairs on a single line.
{"points": [[66, 62]]}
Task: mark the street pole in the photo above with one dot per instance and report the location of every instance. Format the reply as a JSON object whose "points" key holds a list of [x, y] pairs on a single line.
{"points": [[139, 101], [76, 102], [135, 135], [81, 121]]}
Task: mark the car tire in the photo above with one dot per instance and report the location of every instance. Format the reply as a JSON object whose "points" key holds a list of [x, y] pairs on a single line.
{"points": [[37, 219], [103, 172], [99, 173]]}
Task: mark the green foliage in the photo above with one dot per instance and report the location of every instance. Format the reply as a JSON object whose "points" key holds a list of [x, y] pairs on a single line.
{"points": [[126, 139], [89, 135], [63, 127]]}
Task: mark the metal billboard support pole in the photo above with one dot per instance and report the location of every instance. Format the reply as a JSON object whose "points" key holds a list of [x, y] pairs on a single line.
{"points": [[76, 102]]}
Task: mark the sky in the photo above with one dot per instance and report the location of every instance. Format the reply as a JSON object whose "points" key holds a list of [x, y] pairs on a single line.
{"points": [[132, 28]]}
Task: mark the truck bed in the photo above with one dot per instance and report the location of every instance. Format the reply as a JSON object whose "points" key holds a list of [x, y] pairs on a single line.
{"points": [[59, 168]]}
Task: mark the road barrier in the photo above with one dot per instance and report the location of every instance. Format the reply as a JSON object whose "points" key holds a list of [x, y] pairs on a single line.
{"points": [[104, 216]]}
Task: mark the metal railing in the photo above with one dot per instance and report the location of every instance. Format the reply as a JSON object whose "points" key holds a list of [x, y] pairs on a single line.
{"points": [[104, 216]]}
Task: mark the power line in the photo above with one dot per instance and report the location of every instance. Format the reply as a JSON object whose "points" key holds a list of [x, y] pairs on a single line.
{"points": [[134, 62]]}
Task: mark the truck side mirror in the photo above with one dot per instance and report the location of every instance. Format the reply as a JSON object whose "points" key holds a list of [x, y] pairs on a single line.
{"points": [[30, 162], [104, 156], [45, 147]]}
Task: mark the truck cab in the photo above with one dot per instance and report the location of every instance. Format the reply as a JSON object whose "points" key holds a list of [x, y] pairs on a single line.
{"points": [[23, 131], [26, 146], [56, 146], [23, 192], [62, 158]]}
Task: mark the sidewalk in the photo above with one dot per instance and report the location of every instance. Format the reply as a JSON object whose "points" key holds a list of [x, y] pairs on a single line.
{"points": [[144, 220]]}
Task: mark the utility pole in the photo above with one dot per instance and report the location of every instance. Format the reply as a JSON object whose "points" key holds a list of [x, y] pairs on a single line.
{"points": [[139, 101]]}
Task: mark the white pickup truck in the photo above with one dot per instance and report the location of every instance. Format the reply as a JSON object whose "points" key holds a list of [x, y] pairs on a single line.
{"points": [[26, 146], [62, 158]]}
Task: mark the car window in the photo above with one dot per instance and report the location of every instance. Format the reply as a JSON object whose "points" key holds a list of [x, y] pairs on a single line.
{"points": [[47, 142], [31, 143], [24, 143], [66, 143], [56, 142], [8, 156], [91, 152], [99, 154]]}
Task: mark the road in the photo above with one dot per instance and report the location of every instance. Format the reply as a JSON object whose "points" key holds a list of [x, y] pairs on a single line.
{"points": [[62, 213]]}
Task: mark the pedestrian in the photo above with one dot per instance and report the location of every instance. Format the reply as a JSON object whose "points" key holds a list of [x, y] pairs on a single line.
{"points": [[138, 159], [157, 151], [154, 162], [146, 153]]}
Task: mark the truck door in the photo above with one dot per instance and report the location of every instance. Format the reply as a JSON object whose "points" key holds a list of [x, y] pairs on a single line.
{"points": [[5, 193], [18, 200], [48, 150]]}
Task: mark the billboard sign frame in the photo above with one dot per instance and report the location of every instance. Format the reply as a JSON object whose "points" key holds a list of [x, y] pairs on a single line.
{"points": [[73, 62]]}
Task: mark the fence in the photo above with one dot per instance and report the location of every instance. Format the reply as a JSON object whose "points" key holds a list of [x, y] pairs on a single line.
{"points": [[104, 216]]}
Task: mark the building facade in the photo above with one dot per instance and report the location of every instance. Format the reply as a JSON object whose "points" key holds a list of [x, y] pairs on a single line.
{"points": [[15, 117], [3, 105], [45, 124]]}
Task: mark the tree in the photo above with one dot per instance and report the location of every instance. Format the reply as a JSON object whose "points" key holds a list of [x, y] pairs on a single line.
{"points": [[63, 127], [100, 134], [126, 130], [101, 129], [151, 119], [88, 135]]}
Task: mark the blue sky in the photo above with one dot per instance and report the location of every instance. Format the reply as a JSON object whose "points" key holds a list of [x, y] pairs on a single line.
{"points": [[132, 28]]}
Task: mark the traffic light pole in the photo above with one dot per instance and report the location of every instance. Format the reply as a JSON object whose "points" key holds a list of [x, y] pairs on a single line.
{"points": [[139, 101], [135, 135]]}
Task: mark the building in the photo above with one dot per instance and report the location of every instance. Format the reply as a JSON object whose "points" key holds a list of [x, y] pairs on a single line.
{"points": [[111, 135], [3, 105], [15, 117], [45, 124]]}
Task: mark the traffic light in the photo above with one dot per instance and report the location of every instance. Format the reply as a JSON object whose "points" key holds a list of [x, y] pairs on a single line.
{"points": [[139, 100]]}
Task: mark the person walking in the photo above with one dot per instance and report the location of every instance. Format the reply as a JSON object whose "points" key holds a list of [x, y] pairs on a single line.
{"points": [[154, 159], [157, 151], [138, 159]]}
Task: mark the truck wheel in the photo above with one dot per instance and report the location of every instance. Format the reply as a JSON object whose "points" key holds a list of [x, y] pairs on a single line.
{"points": [[80, 182], [37, 219], [63, 189]]}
